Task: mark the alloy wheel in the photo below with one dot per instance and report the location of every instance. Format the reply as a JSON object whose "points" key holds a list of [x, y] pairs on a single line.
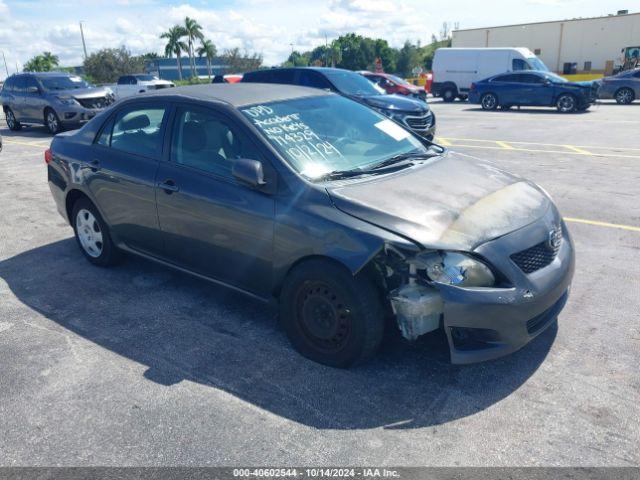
{"points": [[11, 119], [52, 122], [624, 96], [489, 101], [566, 103], [89, 233]]}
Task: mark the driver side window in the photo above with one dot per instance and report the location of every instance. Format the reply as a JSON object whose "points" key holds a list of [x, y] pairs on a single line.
{"points": [[518, 64]]}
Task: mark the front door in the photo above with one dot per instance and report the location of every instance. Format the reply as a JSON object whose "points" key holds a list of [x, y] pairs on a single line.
{"points": [[123, 164], [212, 224], [538, 92]]}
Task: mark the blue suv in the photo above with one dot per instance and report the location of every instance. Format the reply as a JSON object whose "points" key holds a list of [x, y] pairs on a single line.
{"points": [[535, 89]]}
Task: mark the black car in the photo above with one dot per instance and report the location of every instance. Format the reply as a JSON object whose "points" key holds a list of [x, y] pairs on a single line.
{"points": [[412, 113], [305, 197]]}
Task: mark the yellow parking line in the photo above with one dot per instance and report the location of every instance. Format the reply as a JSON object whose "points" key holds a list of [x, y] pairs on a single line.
{"points": [[565, 152], [443, 142], [603, 224], [29, 144], [589, 147], [505, 145], [577, 150]]}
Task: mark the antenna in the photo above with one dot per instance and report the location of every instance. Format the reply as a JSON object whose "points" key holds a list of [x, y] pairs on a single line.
{"points": [[84, 45]]}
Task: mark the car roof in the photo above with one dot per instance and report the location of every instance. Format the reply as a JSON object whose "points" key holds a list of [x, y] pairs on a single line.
{"points": [[239, 94]]}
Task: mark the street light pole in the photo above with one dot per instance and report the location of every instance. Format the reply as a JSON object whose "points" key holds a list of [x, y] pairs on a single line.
{"points": [[6, 68], [84, 45]]}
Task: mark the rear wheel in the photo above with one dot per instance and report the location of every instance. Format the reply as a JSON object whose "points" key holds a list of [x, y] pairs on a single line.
{"points": [[12, 123], [625, 96], [331, 316], [448, 94], [489, 101], [92, 234], [566, 103], [52, 121]]}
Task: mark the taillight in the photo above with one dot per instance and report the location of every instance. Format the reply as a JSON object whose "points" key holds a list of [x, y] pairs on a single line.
{"points": [[48, 156]]}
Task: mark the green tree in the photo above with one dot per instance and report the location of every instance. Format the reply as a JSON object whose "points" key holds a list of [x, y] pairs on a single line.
{"points": [[297, 59], [208, 50], [238, 62], [175, 45], [193, 31], [408, 58], [42, 63], [108, 64]]}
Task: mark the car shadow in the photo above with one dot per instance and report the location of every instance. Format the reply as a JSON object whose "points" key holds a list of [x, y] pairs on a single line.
{"points": [[185, 329], [34, 131], [516, 110]]}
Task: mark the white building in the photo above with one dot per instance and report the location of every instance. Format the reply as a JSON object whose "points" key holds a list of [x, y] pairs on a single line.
{"points": [[594, 44]]}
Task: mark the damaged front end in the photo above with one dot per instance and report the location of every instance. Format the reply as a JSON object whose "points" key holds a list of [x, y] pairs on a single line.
{"points": [[413, 281]]}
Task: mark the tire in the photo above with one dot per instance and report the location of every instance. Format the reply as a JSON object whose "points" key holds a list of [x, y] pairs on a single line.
{"points": [[92, 234], [584, 108], [12, 123], [330, 316], [625, 96], [566, 103], [52, 122], [449, 94], [489, 101]]}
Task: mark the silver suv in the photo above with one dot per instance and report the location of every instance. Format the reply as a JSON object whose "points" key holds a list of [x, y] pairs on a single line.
{"points": [[56, 100]]}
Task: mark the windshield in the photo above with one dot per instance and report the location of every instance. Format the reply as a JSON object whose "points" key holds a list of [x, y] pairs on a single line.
{"points": [[555, 78], [145, 78], [319, 135], [537, 64], [63, 83], [351, 83], [399, 81]]}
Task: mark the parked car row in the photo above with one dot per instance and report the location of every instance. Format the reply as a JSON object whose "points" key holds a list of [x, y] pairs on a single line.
{"points": [[138, 83]]}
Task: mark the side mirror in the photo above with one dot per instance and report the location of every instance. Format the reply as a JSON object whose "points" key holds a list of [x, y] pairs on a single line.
{"points": [[547, 82], [33, 90], [248, 171]]}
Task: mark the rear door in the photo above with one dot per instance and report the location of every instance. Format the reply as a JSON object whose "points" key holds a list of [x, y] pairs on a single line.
{"points": [[508, 89], [34, 103], [212, 224], [17, 102], [123, 170]]}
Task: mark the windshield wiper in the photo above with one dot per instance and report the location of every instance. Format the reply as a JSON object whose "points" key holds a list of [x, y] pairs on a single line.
{"points": [[400, 158]]}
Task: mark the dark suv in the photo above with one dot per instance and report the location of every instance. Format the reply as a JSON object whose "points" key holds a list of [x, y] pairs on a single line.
{"points": [[414, 114], [56, 100]]}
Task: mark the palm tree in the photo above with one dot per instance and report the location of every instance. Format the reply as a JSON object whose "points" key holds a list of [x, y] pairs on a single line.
{"points": [[193, 31], [50, 60], [208, 49], [175, 44], [335, 53]]}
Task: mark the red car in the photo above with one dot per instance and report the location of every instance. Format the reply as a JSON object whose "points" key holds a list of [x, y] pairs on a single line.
{"points": [[393, 84]]}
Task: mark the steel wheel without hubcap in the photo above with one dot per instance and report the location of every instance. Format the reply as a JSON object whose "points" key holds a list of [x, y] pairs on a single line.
{"points": [[489, 101], [624, 96], [89, 233], [566, 103], [323, 317], [52, 122]]}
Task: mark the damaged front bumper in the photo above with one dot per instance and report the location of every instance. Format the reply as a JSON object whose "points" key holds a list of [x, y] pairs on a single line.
{"points": [[483, 323]]}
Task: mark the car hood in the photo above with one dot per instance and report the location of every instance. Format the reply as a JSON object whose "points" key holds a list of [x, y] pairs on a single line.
{"points": [[83, 93], [396, 102], [450, 202]]}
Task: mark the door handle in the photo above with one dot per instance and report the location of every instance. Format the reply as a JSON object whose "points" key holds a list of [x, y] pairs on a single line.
{"points": [[169, 186]]}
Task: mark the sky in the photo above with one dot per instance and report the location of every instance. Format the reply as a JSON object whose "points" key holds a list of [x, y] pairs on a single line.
{"points": [[270, 27]]}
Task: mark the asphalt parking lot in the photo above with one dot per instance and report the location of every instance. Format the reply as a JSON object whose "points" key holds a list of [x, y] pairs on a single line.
{"points": [[139, 365]]}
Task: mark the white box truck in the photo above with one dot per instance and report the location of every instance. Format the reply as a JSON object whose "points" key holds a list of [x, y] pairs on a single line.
{"points": [[455, 69]]}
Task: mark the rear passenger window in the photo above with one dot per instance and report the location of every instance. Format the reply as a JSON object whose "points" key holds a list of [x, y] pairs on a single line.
{"points": [[138, 131], [204, 141], [312, 79], [507, 78]]}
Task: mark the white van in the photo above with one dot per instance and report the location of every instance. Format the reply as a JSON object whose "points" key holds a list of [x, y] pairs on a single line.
{"points": [[454, 69]]}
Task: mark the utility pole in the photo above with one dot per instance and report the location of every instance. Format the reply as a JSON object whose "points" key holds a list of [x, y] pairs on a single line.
{"points": [[326, 51], [6, 69], [84, 45]]}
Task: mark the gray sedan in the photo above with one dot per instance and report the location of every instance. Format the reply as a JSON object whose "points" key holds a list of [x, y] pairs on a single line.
{"points": [[623, 87]]}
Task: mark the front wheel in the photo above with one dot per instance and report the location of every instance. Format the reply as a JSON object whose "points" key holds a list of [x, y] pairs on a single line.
{"points": [[92, 234], [566, 103], [52, 122], [329, 315], [624, 96], [448, 95], [489, 101], [12, 123]]}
